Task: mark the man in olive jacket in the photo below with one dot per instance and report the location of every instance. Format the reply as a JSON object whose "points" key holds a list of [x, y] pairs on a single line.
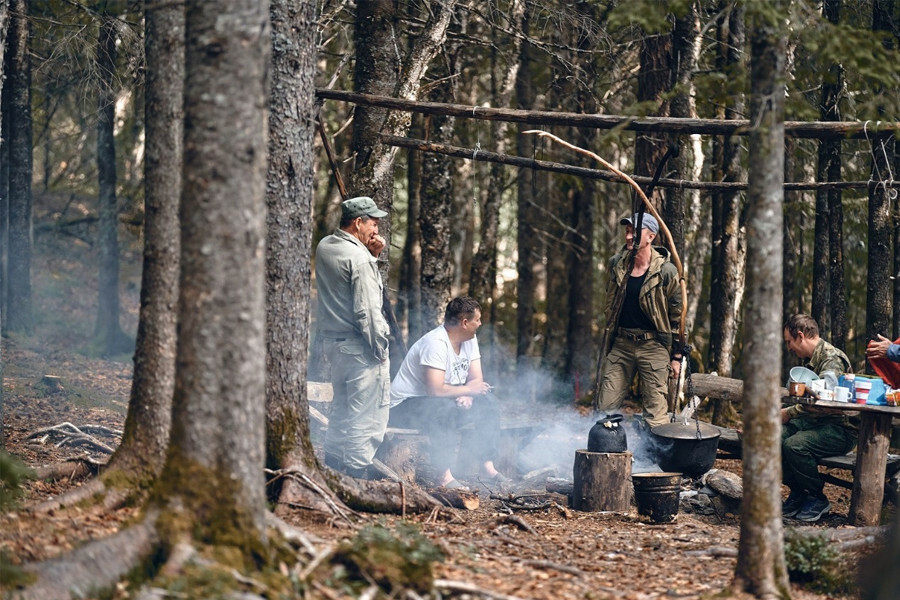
{"points": [[809, 433], [645, 338]]}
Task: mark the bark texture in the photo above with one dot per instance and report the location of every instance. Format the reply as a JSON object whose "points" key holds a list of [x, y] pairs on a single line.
{"points": [[109, 333], [149, 416], [19, 316], [289, 234], [760, 568], [214, 466]]}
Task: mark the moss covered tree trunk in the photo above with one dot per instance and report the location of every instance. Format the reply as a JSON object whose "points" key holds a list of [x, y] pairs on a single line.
{"points": [[149, 416], [289, 230], [213, 476], [760, 568]]}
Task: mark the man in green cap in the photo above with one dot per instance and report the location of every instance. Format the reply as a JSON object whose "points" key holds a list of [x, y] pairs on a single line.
{"points": [[645, 342], [354, 336]]}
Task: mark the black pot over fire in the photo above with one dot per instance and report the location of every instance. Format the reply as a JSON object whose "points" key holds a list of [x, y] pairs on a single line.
{"points": [[687, 447], [607, 435]]}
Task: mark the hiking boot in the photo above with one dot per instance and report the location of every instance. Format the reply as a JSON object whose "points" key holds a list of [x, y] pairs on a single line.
{"points": [[813, 509], [793, 504]]}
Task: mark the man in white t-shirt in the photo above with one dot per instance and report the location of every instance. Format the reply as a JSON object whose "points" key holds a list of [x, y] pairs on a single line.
{"points": [[440, 387]]}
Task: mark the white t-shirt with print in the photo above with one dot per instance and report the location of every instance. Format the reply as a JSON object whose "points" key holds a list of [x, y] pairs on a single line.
{"points": [[432, 350]]}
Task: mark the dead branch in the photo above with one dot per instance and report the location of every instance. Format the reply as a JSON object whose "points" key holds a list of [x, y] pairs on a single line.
{"points": [[73, 469], [544, 564], [587, 173], [715, 552], [514, 520], [68, 434], [468, 588], [290, 533], [798, 129], [456, 498]]}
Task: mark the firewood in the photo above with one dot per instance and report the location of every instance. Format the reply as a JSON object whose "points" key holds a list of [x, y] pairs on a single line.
{"points": [[725, 483], [455, 498], [558, 485]]}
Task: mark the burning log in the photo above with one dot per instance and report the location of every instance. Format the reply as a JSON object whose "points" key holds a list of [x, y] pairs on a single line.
{"points": [[602, 481], [456, 498]]}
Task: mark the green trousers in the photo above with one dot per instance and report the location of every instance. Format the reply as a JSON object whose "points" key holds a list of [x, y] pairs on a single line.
{"points": [[803, 441], [650, 360]]}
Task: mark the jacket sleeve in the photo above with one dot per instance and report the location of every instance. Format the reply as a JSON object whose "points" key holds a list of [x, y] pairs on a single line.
{"points": [[675, 301], [365, 285]]}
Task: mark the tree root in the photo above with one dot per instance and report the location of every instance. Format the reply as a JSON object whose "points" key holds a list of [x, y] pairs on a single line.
{"points": [[67, 434], [72, 469], [93, 567]]}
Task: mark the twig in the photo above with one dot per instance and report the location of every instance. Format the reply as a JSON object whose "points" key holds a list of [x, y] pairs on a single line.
{"points": [[545, 564], [316, 561], [517, 521], [465, 587]]}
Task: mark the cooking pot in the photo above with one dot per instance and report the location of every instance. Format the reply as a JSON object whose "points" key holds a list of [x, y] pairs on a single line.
{"points": [[607, 435], [686, 447]]}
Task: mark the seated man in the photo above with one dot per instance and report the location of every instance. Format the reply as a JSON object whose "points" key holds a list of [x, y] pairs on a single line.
{"points": [[439, 388], [810, 433]]}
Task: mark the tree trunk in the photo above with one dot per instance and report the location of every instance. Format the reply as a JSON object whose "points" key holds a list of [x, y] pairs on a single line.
{"points": [[111, 338], [19, 316], [376, 72], [213, 474], [878, 276], [288, 249], [149, 416], [4, 198], [410, 293], [728, 269], [792, 252], [527, 245], [760, 568], [831, 93], [653, 83]]}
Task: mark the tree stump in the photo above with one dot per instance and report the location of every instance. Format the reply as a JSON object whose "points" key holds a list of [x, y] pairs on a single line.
{"points": [[602, 481], [406, 454]]}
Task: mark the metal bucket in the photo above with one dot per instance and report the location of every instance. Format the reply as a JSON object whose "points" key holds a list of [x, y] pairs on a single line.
{"points": [[657, 495]]}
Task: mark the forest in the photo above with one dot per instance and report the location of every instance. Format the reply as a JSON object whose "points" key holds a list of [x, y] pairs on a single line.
{"points": [[168, 168]]}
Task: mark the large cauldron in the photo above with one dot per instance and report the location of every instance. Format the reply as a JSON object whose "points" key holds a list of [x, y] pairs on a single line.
{"points": [[686, 447]]}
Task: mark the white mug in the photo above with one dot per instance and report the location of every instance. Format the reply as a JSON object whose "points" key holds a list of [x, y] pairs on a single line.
{"points": [[841, 394]]}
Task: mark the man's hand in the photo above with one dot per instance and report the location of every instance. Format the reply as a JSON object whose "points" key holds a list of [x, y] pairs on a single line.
{"points": [[464, 402], [878, 348], [784, 416], [376, 245], [676, 367]]}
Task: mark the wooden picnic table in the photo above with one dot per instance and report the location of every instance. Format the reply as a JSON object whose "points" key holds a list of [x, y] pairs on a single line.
{"points": [[871, 456]]}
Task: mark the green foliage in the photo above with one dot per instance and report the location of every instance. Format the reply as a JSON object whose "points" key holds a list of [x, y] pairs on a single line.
{"points": [[395, 560], [651, 16], [13, 473], [814, 563]]}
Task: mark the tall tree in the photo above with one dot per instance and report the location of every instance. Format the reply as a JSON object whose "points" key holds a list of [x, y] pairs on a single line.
{"points": [[829, 169], [19, 316], [147, 424], [220, 366], [109, 332], [289, 238], [377, 69], [4, 201], [411, 267], [728, 235], [760, 568], [879, 273]]}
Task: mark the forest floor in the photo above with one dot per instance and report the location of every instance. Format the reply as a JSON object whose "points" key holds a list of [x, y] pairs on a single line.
{"points": [[554, 552]]}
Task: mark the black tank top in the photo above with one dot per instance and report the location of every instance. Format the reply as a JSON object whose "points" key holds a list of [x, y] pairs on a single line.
{"points": [[632, 316]]}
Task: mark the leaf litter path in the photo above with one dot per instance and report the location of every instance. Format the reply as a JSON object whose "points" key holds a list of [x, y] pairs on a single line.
{"points": [[561, 554]]}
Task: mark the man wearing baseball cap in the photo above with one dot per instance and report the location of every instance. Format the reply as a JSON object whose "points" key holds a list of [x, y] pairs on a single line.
{"points": [[354, 336], [645, 338]]}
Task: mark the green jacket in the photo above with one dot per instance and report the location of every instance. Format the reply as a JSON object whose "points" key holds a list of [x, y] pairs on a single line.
{"points": [[660, 296], [825, 357]]}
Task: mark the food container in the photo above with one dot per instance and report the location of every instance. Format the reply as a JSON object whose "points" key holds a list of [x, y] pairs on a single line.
{"points": [[862, 396], [796, 388], [826, 395]]}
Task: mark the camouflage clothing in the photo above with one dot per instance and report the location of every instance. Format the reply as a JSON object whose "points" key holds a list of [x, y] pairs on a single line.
{"points": [[646, 352], [808, 436]]}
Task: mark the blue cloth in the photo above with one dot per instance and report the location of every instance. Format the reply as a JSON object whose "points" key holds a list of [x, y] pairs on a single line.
{"points": [[893, 352]]}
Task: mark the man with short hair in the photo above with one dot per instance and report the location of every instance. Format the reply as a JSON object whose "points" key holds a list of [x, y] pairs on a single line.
{"points": [[440, 387], [355, 337], [808, 433], [646, 339]]}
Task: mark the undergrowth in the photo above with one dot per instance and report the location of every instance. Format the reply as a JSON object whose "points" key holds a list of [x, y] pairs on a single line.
{"points": [[814, 563]]}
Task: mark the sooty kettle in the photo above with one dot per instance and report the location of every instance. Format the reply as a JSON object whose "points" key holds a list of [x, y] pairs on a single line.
{"points": [[607, 435]]}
